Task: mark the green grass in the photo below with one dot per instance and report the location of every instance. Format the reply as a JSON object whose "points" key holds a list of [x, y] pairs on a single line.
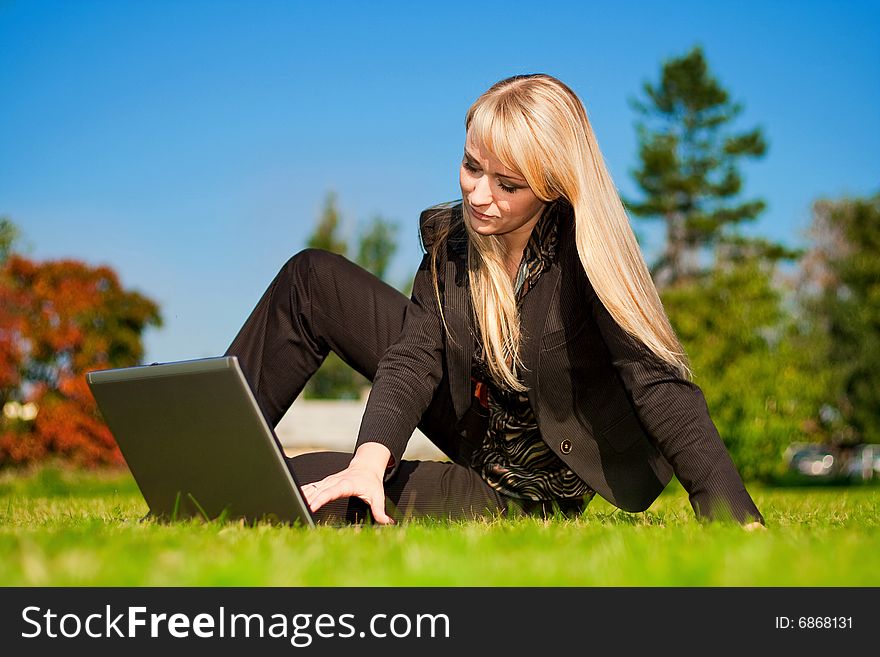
{"points": [[72, 529]]}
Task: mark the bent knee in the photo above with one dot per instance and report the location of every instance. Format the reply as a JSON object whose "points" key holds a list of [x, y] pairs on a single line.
{"points": [[311, 259]]}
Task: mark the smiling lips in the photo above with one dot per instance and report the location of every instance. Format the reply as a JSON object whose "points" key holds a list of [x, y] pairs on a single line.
{"points": [[480, 215]]}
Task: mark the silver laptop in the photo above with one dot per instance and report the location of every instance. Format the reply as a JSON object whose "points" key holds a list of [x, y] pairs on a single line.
{"points": [[197, 443]]}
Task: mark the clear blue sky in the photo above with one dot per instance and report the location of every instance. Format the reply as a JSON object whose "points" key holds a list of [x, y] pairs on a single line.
{"points": [[190, 145]]}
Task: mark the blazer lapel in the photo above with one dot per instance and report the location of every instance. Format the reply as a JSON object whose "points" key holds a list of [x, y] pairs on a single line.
{"points": [[534, 312], [537, 303], [460, 349]]}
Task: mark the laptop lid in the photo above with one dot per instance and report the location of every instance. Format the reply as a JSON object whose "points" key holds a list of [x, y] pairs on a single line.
{"points": [[197, 443]]}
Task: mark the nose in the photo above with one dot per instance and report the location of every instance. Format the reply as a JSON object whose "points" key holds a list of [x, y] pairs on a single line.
{"points": [[481, 194]]}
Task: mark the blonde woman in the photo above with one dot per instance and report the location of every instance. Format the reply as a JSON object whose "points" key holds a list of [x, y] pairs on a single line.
{"points": [[534, 352]]}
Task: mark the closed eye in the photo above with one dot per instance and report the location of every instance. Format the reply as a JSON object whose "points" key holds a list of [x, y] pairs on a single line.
{"points": [[510, 189]]}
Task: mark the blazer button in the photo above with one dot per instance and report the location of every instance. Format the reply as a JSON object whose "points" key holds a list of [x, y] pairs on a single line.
{"points": [[565, 446]]}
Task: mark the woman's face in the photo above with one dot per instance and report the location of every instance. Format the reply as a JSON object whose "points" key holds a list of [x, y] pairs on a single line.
{"points": [[497, 200]]}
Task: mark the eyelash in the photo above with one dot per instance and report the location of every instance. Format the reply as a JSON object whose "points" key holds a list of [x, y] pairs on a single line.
{"points": [[506, 188]]}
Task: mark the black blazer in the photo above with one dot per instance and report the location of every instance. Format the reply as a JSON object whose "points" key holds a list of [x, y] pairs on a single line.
{"points": [[620, 418]]}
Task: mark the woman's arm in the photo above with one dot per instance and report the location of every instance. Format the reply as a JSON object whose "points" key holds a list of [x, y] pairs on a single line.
{"points": [[673, 410], [408, 374], [406, 378]]}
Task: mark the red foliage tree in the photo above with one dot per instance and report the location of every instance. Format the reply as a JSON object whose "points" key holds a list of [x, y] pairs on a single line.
{"points": [[58, 320]]}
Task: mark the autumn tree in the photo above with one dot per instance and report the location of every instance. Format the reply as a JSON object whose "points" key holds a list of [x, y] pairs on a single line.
{"points": [[60, 319]]}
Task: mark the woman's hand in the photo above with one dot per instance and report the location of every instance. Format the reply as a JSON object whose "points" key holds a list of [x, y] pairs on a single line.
{"points": [[362, 478]]}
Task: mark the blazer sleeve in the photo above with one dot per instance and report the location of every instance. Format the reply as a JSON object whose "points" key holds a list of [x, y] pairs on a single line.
{"points": [[673, 410], [410, 369]]}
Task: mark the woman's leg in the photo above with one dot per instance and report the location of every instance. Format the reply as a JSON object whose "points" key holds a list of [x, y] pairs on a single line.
{"points": [[319, 302]]}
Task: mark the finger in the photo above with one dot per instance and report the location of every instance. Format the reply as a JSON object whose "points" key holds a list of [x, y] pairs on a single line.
{"points": [[374, 501], [377, 506], [309, 491], [321, 496]]}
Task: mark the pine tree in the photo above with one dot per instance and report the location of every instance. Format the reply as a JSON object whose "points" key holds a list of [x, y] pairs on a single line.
{"points": [[688, 171], [717, 285]]}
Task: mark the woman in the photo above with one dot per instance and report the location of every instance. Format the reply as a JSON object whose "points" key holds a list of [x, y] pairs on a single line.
{"points": [[534, 351]]}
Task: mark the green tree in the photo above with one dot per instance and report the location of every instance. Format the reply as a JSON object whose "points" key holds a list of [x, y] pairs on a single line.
{"points": [[376, 246], [688, 170], [718, 286], [9, 234], [749, 357], [326, 234], [840, 289]]}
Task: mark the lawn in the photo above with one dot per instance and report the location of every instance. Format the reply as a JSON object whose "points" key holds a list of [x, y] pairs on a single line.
{"points": [[67, 528]]}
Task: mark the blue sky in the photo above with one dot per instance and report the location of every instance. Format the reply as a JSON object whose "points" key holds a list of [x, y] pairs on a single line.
{"points": [[190, 145]]}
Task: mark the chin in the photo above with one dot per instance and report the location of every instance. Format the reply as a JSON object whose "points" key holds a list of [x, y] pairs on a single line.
{"points": [[482, 227]]}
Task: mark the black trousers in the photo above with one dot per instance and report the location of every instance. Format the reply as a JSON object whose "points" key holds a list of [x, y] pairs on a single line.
{"points": [[318, 302]]}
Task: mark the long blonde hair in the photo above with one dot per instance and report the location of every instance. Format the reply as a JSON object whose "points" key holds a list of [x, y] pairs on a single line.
{"points": [[537, 126]]}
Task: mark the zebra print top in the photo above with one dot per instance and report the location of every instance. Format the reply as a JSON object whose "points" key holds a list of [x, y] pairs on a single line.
{"points": [[513, 458]]}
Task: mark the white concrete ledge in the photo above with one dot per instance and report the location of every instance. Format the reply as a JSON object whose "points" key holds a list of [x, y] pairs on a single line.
{"points": [[318, 424]]}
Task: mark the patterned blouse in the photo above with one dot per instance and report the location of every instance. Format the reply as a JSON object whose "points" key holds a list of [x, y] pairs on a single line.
{"points": [[513, 458]]}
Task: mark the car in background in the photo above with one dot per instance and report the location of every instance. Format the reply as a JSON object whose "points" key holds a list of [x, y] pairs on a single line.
{"points": [[818, 462], [863, 463], [833, 464]]}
